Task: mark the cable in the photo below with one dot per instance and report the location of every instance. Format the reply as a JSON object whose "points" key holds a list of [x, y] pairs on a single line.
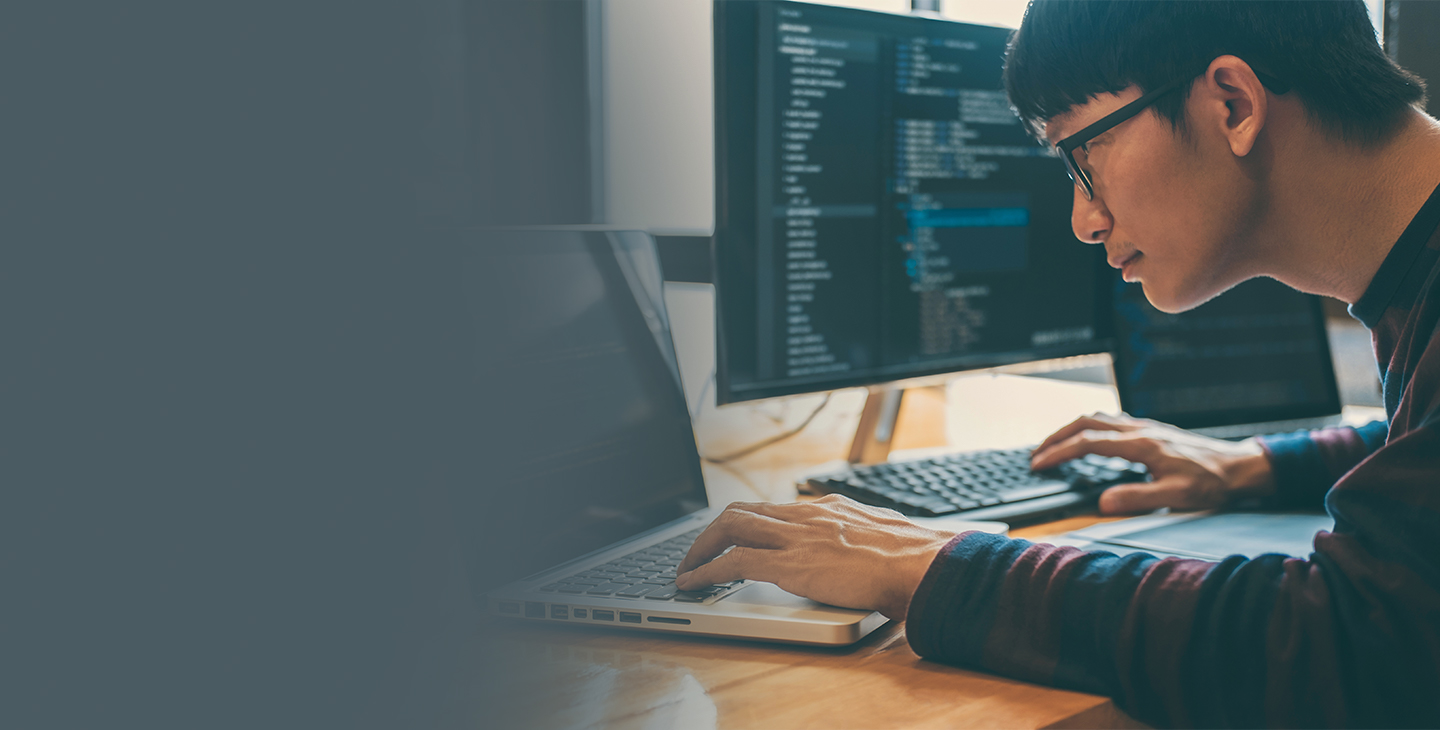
{"points": [[748, 450]]}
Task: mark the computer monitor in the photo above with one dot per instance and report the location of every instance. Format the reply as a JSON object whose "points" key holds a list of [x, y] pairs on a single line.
{"points": [[882, 214], [1257, 353]]}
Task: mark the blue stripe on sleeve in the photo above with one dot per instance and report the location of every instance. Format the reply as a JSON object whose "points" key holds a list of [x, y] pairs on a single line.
{"points": [[962, 597], [1095, 601], [1300, 477]]}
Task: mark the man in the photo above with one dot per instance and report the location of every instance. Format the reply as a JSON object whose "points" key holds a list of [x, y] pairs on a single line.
{"points": [[1210, 143]]}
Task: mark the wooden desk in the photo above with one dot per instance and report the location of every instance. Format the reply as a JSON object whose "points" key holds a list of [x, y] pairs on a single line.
{"points": [[580, 677], [543, 677], [539, 676]]}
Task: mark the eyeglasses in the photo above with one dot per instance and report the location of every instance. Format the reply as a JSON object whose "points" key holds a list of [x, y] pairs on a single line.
{"points": [[1079, 142]]}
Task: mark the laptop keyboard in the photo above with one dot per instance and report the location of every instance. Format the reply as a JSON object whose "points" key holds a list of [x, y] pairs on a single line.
{"points": [[648, 573], [983, 485], [995, 484]]}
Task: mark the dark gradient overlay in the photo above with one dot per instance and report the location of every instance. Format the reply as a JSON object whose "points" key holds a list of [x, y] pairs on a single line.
{"points": [[587, 439]]}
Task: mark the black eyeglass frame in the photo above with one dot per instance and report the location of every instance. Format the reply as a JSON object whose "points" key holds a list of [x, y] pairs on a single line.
{"points": [[1066, 147]]}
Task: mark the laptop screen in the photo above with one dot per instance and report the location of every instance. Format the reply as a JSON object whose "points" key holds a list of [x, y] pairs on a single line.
{"points": [[1256, 353], [585, 438]]}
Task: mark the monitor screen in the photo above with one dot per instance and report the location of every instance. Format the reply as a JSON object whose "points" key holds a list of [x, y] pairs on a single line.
{"points": [[881, 212], [1256, 353], [585, 438]]}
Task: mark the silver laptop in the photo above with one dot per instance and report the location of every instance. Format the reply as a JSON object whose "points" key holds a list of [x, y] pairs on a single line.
{"points": [[593, 488], [1254, 360]]}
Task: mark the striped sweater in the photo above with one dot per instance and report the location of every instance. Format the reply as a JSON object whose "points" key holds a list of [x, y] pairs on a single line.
{"points": [[1349, 635]]}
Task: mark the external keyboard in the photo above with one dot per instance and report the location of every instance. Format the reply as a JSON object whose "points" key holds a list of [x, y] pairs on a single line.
{"points": [[982, 485], [648, 573]]}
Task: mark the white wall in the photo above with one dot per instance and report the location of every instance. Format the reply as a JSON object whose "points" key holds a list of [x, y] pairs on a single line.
{"points": [[659, 110]]}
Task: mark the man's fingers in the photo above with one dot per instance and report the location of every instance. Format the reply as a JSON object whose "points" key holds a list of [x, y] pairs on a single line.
{"points": [[1092, 422], [1126, 445], [1147, 496], [739, 524], [1082, 423], [742, 562]]}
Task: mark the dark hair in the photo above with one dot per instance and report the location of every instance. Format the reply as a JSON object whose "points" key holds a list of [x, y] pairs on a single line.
{"points": [[1067, 51]]}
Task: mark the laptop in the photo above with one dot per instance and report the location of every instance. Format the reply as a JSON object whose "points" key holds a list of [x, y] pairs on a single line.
{"points": [[1254, 360], [593, 488]]}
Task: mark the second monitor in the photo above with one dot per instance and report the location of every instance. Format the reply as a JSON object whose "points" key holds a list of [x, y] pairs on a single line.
{"points": [[882, 214]]}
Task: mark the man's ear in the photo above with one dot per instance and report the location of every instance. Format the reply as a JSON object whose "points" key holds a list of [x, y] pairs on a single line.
{"points": [[1236, 101]]}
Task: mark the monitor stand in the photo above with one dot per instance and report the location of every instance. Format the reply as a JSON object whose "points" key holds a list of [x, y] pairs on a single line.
{"points": [[876, 432]]}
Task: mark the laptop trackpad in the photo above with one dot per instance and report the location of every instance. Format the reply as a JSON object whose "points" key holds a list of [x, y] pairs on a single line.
{"points": [[768, 595]]}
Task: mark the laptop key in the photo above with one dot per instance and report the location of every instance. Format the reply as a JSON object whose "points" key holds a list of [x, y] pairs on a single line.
{"points": [[697, 596], [663, 593], [635, 591], [572, 588], [606, 589]]}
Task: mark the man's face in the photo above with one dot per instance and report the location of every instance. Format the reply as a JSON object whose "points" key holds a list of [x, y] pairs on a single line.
{"points": [[1171, 211]]}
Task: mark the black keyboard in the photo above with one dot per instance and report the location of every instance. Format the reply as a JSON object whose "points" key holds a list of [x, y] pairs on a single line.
{"points": [[648, 573], [983, 485]]}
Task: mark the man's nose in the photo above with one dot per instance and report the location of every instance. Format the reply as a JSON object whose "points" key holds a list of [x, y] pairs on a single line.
{"points": [[1090, 219]]}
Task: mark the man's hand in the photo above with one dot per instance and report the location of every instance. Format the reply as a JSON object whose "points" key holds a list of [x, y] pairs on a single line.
{"points": [[833, 550], [1190, 471]]}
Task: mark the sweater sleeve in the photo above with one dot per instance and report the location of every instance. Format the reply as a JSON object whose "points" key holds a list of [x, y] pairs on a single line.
{"points": [[1348, 636], [1308, 463]]}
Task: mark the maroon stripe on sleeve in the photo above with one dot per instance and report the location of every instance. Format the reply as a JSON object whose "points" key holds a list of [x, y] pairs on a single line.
{"points": [[1024, 641], [1158, 625], [1300, 649], [1340, 449]]}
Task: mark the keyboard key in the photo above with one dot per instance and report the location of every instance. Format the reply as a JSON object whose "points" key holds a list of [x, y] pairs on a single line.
{"points": [[700, 595], [1039, 490], [635, 591], [956, 483], [606, 589], [663, 593]]}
